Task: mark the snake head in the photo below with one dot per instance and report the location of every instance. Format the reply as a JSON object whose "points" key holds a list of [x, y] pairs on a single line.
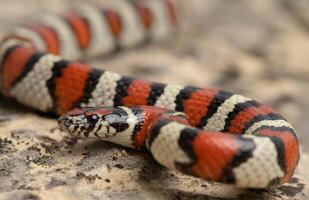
{"points": [[101, 122]]}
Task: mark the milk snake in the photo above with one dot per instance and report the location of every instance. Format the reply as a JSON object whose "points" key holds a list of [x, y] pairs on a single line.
{"points": [[204, 132]]}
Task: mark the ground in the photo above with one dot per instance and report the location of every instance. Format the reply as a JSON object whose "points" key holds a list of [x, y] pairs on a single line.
{"points": [[257, 48]]}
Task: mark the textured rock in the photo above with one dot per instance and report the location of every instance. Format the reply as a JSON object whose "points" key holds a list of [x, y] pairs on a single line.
{"points": [[257, 48]]}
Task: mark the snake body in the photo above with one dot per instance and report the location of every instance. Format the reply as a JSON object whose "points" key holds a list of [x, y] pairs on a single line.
{"points": [[204, 132]]}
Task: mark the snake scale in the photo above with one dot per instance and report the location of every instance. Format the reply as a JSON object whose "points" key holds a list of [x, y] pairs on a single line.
{"points": [[203, 132]]}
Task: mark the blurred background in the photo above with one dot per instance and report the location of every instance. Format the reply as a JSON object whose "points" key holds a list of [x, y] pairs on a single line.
{"points": [[257, 48]]}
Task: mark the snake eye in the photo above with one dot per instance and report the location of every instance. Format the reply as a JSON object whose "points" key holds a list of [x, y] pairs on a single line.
{"points": [[93, 118]]}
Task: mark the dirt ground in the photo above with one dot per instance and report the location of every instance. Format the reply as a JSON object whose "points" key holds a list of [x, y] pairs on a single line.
{"points": [[257, 48]]}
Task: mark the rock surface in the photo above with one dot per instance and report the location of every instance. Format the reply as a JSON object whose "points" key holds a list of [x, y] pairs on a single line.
{"points": [[258, 48]]}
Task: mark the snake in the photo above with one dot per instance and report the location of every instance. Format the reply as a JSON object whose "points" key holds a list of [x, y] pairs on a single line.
{"points": [[203, 132]]}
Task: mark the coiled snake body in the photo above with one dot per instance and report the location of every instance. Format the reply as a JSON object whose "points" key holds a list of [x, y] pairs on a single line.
{"points": [[208, 133]]}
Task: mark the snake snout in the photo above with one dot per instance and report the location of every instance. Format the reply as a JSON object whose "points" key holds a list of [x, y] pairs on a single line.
{"points": [[62, 123], [73, 124]]}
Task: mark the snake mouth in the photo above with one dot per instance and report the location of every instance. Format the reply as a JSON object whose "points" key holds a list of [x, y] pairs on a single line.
{"points": [[64, 123]]}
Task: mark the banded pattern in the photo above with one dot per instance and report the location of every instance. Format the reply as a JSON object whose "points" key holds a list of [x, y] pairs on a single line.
{"points": [[266, 155], [92, 30], [216, 135], [253, 160]]}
